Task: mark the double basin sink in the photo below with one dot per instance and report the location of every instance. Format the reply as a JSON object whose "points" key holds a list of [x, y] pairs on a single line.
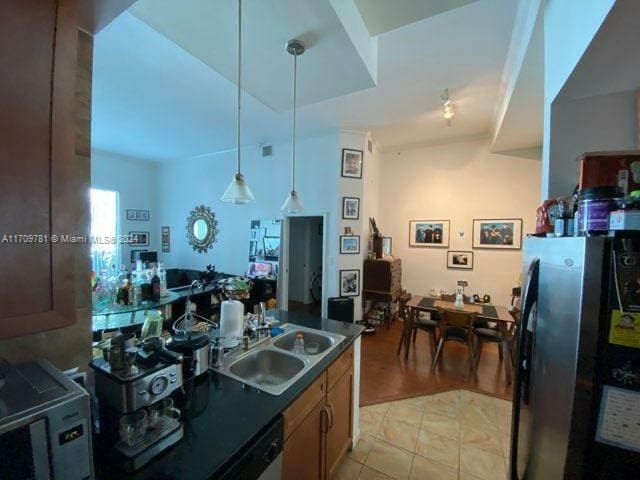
{"points": [[273, 366]]}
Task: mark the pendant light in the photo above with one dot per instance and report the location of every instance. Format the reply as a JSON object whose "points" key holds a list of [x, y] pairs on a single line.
{"points": [[293, 204], [238, 191]]}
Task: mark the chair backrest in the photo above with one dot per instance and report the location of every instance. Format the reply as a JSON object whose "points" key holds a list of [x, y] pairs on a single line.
{"points": [[457, 319]]}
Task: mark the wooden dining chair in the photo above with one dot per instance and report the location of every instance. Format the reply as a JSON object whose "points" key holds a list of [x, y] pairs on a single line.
{"points": [[412, 323], [458, 327]]}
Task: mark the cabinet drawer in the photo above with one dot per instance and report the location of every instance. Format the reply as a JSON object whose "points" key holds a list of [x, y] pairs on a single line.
{"points": [[295, 414], [338, 367]]}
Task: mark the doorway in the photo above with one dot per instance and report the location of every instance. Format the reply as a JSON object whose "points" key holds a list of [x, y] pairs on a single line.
{"points": [[305, 262]]}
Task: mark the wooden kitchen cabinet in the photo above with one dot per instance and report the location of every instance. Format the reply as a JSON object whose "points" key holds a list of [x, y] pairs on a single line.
{"points": [[340, 403], [317, 439], [38, 53], [303, 456]]}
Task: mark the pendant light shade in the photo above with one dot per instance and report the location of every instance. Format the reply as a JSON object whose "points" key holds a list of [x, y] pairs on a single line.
{"points": [[293, 204], [238, 191]]}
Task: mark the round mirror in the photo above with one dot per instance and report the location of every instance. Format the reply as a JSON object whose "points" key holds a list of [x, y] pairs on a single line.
{"points": [[202, 228]]}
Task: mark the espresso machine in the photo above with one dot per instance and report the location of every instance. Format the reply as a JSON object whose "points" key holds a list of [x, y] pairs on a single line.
{"points": [[133, 383]]}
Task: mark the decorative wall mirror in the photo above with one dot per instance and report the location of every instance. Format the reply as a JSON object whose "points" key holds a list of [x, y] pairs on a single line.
{"points": [[202, 228]]}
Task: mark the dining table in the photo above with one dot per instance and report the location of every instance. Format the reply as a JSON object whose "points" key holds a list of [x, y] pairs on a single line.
{"points": [[501, 316]]}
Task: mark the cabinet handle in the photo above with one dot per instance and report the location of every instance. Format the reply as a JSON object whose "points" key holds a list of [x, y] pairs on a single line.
{"points": [[332, 415], [325, 419]]}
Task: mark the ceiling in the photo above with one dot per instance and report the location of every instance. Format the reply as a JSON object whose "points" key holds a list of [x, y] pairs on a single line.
{"points": [[381, 16], [164, 76]]}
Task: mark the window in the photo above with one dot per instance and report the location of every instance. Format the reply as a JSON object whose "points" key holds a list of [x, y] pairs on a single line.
{"points": [[104, 226]]}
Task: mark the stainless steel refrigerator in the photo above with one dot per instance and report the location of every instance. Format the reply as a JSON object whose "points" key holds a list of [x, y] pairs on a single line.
{"points": [[577, 388]]}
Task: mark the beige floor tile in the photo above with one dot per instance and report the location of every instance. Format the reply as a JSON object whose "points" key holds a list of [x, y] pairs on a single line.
{"points": [[425, 469], [468, 476], [505, 441], [438, 448], [482, 464], [416, 401], [405, 412], [370, 422], [478, 414], [441, 424], [390, 460], [377, 408], [451, 397], [398, 433], [504, 423], [362, 448], [438, 406], [371, 474], [481, 438], [348, 470]]}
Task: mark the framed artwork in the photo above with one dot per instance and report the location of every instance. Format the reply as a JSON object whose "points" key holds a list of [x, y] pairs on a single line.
{"points": [[349, 283], [138, 215], [139, 239], [460, 260], [349, 244], [166, 239], [135, 255], [386, 246], [350, 208], [429, 233], [497, 234], [351, 163]]}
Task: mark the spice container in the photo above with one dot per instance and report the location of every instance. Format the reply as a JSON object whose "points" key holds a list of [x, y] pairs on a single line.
{"points": [[594, 206]]}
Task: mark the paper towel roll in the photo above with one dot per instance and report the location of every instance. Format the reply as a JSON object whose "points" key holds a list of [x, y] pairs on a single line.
{"points": [[231, 322]]}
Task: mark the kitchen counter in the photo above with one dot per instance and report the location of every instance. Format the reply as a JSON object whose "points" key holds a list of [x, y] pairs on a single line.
{"points": [[225, 415]]}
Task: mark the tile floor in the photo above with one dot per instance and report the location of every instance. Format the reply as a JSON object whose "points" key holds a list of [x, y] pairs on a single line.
{"points": [[453, 435]]}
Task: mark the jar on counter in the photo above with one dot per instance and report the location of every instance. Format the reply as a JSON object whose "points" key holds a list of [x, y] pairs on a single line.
{"points": [[594, 206]]}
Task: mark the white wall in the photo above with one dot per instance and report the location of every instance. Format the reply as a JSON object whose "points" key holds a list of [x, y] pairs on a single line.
{"points": [[605, 122], [459, 182], [136, 182], [192, 182], [569, 27]]}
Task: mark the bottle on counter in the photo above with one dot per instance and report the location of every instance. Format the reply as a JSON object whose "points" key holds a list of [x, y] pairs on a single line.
{"points": [[155, 286], [162, 273], [152, 326], [298, 345]]}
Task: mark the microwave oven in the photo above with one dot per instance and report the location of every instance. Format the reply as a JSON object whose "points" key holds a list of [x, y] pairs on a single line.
{"points": [[45, 427]]}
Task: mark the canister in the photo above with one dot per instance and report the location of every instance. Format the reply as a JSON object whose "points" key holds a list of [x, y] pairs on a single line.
{"points": [[594, 206]]}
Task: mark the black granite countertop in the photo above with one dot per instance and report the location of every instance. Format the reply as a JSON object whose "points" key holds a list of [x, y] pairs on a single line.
{"points": [[224, 415]]}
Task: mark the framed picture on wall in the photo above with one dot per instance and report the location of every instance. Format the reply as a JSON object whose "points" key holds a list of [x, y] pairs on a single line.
{"points": [[166, 238], [349, 244], [459, 260], [139, 239], [138, 215], [352, 163], [497, 234], [429, 233], [350, 208], [386, 246], [349, 283]]}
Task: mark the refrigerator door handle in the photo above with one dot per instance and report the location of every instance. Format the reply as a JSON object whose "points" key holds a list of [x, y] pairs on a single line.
{"points": [[529, 300]]}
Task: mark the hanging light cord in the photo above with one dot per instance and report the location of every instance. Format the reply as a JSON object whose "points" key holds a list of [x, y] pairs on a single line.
{"points": [[239, 74], [293, 158]]}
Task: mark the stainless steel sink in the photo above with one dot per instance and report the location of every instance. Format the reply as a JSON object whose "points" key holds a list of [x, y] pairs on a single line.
{"points": [[314, 343], [272, 366], [267, 367]]}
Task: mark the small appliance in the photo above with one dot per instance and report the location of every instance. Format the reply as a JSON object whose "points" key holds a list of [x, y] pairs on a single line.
{"points": [[45, 427], [137, 419]]}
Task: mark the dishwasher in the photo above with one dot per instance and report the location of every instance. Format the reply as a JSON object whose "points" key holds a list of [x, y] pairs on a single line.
{"points": [[261, 458]]}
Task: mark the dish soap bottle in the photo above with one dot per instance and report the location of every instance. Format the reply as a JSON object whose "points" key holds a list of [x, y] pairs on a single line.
{"points": [[298, 345]]}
